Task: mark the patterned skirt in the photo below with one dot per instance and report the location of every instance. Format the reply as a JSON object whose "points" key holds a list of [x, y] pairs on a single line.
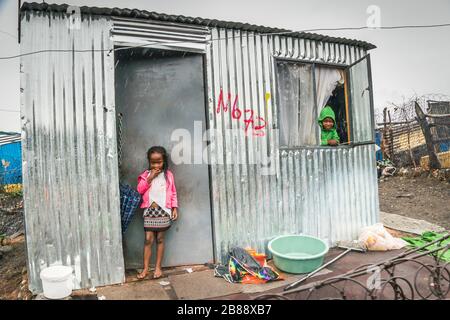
{"points": [[156, 219]]}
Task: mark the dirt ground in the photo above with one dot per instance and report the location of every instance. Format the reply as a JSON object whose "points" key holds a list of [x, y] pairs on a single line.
{"points": [[422, 197], [13, 276], [11, 213], [13, 272]]}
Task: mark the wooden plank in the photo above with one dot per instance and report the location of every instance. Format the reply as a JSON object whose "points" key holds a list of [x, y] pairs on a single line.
{"points": [[437, 116], [434, 162], [395, 122]]}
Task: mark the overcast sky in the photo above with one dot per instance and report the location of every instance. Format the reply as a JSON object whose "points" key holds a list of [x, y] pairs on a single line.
{"points": [[406, 61]]}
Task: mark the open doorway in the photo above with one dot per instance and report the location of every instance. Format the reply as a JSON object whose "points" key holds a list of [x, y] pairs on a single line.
{"points": [[158, 93]]}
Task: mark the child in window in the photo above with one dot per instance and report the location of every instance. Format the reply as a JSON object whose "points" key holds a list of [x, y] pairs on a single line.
{"points": [[159, 200], [327, 123]]}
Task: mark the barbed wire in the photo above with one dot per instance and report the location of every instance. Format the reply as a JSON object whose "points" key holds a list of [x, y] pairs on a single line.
{"points": [[404, 111], [8, 34]]}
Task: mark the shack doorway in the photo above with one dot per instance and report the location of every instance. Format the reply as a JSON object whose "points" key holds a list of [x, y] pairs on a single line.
{"points": [[160, 95]]}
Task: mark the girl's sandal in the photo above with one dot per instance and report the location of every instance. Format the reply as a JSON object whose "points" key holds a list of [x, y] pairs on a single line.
{"points": [[157, 277]]}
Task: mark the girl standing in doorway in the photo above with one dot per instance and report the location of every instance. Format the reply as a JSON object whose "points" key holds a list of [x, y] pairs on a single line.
{"points": [[159, 200]]}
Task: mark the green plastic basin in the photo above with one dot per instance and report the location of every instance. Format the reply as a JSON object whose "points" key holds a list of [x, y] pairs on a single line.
{"points": [[297, 253]]}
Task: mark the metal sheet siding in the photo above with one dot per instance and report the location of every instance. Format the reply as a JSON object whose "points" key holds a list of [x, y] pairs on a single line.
{"points": [[162, 35], [70, 170], [329, 193]]}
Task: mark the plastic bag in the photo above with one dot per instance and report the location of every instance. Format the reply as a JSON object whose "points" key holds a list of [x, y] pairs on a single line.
{"points": [[376, 238]]}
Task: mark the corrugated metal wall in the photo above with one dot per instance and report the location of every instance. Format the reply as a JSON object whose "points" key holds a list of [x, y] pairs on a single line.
{"points": [[70, 170], [324, 192], [163, 35]]}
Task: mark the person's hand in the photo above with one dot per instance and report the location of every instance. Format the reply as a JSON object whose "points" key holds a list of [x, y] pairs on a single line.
{"points": [[152, 175], [332, 142], [174, 214]]}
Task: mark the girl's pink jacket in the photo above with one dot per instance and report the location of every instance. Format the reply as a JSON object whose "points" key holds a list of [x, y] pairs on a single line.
{"points": [[171, 192]]}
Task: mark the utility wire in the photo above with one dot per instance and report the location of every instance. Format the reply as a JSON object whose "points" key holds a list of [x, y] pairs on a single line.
{"points": [[53, 50], [371, 28], [6, 110], [226, 38], [8, 34]]}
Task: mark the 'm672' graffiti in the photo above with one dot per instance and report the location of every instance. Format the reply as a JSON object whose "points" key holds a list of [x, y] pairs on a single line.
{"points": [[257, 124]]}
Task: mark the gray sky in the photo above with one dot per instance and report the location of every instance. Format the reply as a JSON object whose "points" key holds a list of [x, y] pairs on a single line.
{"points": [[406, 61]]}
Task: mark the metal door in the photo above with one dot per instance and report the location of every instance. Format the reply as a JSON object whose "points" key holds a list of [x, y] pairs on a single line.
{"points": [[157, 93]]}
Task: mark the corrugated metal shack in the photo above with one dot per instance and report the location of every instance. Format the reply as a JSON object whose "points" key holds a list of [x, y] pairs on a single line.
{"points": [[239, 76]]}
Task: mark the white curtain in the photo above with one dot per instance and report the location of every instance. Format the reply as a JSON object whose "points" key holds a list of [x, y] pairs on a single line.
{"points": [[326, 81], [296, 104]]}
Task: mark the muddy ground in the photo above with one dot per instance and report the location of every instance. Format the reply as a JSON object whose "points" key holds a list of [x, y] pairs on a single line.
{"points": [[11, 213], [425, 198], [13, 277], [421, 197]]}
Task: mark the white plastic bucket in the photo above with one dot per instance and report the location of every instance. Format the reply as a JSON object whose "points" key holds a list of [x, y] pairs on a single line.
{"points": [[57, 282]]}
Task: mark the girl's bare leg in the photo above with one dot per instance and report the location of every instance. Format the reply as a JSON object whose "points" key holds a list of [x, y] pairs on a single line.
{"points": [[159, 254], [149, 239]]}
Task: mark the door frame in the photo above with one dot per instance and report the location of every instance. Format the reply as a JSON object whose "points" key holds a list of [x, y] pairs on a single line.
{"points": [[207, 125], [210, 177]]}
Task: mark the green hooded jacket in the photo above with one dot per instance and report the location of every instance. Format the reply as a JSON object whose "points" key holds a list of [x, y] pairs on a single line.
{"points": [[326, 135]]}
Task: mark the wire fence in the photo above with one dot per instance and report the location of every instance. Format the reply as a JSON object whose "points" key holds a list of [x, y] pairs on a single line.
{"points": [[407, 140]]}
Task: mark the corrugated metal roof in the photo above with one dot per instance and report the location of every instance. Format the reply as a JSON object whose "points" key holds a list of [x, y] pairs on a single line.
{"points": [[143, 14], [6, 137]]}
